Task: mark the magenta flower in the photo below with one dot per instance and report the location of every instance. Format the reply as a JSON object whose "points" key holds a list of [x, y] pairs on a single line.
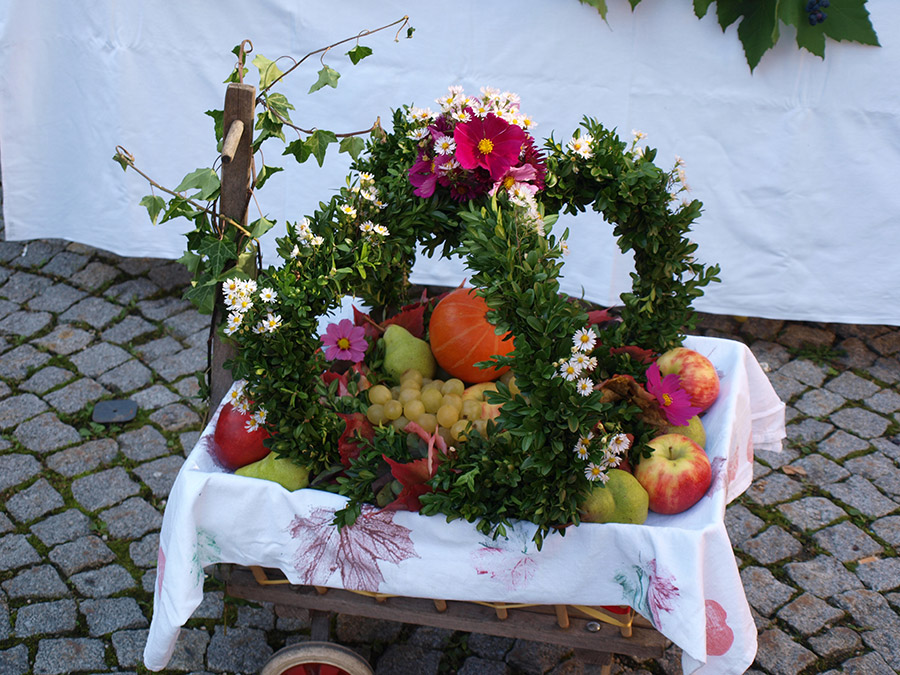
{"points": [[345, 341], [673, 400], [488, 142], [424, 174]]}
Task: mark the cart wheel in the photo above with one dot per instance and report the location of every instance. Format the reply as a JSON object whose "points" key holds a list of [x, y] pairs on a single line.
{"points": [[316, 658]]}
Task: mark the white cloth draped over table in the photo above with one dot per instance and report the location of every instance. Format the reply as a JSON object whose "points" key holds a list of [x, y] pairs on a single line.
{"points": [[795, 163], [678, 571]]}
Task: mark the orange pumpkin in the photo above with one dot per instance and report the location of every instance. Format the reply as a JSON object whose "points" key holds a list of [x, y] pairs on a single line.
{"points": [[461, 336]]}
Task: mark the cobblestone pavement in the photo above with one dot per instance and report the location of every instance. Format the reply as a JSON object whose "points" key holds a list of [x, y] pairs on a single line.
{"points": [[816, 536]]}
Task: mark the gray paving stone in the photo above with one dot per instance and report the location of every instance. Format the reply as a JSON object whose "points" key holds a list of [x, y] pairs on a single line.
{"points": [[821, 471], [241, 650], [45, 618], [144, 552], [65, 264], [889, 447], [16, 552], [127, 377], [819, 402], [885, 401], [886, 370], [42, 581], [860, 494], [17, 409], [175, 366], [62, 527], [156, 349], [211, 607], [774, 488], [836, 640], [131, 519], [256, 617], [65, 340], [764, 592], [840, 444], [772, 545], [822, 576], [58, 298], [199, 339], [430, 637], [81, 554], [860, 422], [880, 575], [46, 433], [37, 253], [171, 276], [143, 444], [780, 655], [83, 458], [74, 397], [868, 609], [188, 440], [108, 615], [129, 328], [103, 489], [856, 354], [187, 323], [887, 344], [764, 347], [103, 582], [809, 614], [190, 650], [786, 387], [163, 308], [811, 513], [23, 286], [776, 458], [36, 500], [159, 475], [154, 397], [95, 275], [189, 388], [852, 386], [100, 358], [16, 363], [14, 661], [133, 289], [808, 430], [59, 656], [175, 417], [888, 529], [535, 658], [886, 643], [7, 307], [877, 468], [25, 324], [6, 525], [804, 371], [475, 665], [46, 379], [870, 663], [16, 469], [741, 523], [405, 658], [10, 249], [846, 542], [136, 267], [94, 312]]}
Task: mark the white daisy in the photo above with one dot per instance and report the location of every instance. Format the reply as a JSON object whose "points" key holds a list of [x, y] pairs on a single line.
{"points": [[595, 472], [584, 339], [585, 386], [381, 229], [619, 443], [569, 371], [581, 146], [230, 286], [233, 323], [273, 322], [638, 135], [445, 145], [251, 425], [348, 210], [365, 178], [369, 195], [581, 450], [366, 227], [268, 295]]}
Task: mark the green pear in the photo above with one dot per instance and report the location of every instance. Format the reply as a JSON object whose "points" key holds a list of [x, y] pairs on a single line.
{"points": [[403, 351], [621, 500], [693, 430], [279, 469]]}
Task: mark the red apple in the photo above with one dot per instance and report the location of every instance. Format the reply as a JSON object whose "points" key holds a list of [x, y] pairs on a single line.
{"points": [[233, 445], [676, 475], [696, 373]]}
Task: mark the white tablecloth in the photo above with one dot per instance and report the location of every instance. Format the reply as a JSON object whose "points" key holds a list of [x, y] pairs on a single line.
{"points": [[677, 571], [795, 163]]}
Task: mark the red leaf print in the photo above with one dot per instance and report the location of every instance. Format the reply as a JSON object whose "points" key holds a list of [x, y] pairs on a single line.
{"points": [[160, 570], [719, 636], [661, 591], [355, 551]]}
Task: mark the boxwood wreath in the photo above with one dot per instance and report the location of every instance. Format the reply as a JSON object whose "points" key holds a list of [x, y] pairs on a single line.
{"points": [[362, 242]]}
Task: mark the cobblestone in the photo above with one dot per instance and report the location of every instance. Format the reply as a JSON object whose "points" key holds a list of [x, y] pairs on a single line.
{"points": [[157, 310], [846, 542], [877, 468], [860, 422], [15, 552], [786, 387], [764, 592], [836, 640], [65, 264], [65, 340], [888, 529], [96, 360], [822, 576], [42, 581], [83, 458], [94, 312], [83, 553], [885, 401], [811, 513], [17, 363], [46, 618], [804, 371], [154, 397], [809, 614], [56, 299], [741, 524], [886, 370], [36, 500], [94, 276], [175, 417], [157, 349], [127, 377], [860, 494], [143, 444], [45, 433], [62, 527], [25, 324], [819, 402], [46, 379], [820, 470], [16, 469], [840, 444], [133, 289], [185, 362], [103, 489], [880, 575], [17, 409], [127, 329], [74, 397], [780, 655], [774, 488], [772, 545], [159, 475], [103, 582], [67, 655], [143, 553], [808, 430], [112, 614], [131, 519], [241, 650]]}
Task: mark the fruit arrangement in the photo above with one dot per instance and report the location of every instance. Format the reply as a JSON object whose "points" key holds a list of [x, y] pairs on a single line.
{"points": [[507, 400]]}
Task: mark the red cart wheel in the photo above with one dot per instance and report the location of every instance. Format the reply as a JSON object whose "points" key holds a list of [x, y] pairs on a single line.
{"points": [[316, 658]]}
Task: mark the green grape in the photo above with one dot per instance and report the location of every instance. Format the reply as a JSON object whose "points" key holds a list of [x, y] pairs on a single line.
{"points": [[379, 394]]}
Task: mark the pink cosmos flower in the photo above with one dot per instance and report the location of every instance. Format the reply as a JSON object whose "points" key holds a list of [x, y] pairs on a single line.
{"points": [[424, 174], [516, 176], [488, 142], [673, 400], [345, 341]]}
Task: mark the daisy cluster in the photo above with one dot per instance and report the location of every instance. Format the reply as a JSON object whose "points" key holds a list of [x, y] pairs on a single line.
{"points": [[361, 208], [580, 364], [476, 145], [239, 299], [614, 446], [305, 237], [239, 401]]}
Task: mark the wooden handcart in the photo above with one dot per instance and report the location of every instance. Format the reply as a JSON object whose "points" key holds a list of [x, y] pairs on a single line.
{"points": [[593, 633]]}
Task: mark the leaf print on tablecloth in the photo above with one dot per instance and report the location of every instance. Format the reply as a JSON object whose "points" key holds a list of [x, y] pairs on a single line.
{"points": [[206, 552], [507, 560], [356, 551], [651, 588], [719, 636]]}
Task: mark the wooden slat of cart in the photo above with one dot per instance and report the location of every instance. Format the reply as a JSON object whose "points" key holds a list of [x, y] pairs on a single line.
{"points": [[527, 623]]}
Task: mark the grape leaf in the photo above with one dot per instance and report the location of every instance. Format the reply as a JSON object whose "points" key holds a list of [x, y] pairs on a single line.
{"points": [[352, 145], [810, 38], [259, 227], [318, 143], [327, 76], [154, 204], [191, 261], [268, 70], [634, 3], [759, 29], [358, 53], [849, 20], [218, 252], [599, 5], [218, 120], [701, 6], [265, 174], [205, 180]]}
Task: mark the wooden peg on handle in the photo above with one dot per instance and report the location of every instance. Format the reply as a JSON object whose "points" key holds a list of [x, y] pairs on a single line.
{"points": [[229, 147]]}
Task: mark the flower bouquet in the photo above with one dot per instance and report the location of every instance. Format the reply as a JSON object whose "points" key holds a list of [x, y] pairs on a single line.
{"points": [[507, 400]]}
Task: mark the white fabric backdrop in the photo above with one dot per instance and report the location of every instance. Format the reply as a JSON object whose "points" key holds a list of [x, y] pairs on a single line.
{"points": [[795, 164]]}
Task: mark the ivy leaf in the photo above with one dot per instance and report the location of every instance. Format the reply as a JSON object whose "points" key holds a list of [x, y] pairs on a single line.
{"points": [[259, 227], [202, 295], [268, 70], [122, 160], [218, 117], [154, 204], [191, 261], [318, 143], [298, 149], [701, 6], [729, 11], [327, 76], [599, 5], [279, 105], [634, 3], [849, 20], [218, 252], [353, 145], [265, 174], [205, 180], [358, 53], [759, 29]]}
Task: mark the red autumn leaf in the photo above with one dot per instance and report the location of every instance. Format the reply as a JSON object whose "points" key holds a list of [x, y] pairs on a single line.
{"points": [[640, 355], [328, 377], [412, 319], [414, 476], [600, 316], [349, 444]]}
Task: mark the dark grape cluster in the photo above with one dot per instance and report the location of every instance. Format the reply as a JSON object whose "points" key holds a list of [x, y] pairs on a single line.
{"points": [[814, 9]]}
